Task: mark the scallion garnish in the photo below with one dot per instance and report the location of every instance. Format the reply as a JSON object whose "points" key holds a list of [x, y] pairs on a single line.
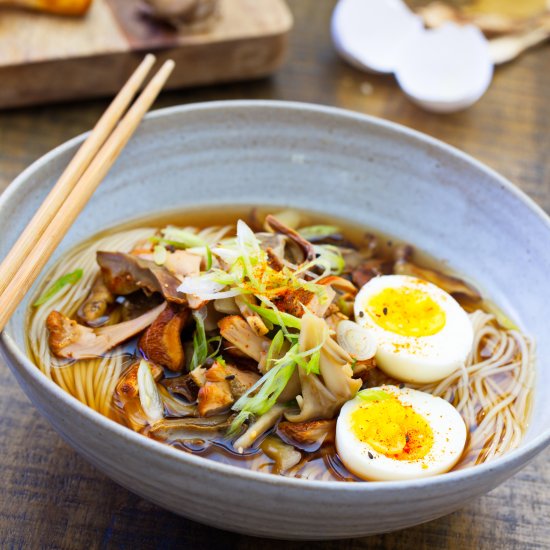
{"points": [[68, 279], [318, 231], [269, 386], [277, 317], [200, 344], [373, 395]]}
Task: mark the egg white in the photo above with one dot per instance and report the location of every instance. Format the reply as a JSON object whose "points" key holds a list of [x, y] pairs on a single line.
{"points": [[417, 359], [449, 432]]}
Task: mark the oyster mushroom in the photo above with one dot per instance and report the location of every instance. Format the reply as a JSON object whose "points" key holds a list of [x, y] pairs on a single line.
{"points": [[223, 386], [278, 227], [70, 340], [237, 331], [284, 455], [253, 319], [182, 429], [308, 436], [96, 303], [450, 284], [125, 273]]}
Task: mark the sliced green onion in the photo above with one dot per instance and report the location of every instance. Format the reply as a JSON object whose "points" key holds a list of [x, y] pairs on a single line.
{"points": [[208, 258], [68, 279], [270, 386], [312, 366], [274, 348], [182, 237], [318, 231], [373, 395], [330, 256], [159, 254], [200, 344], [277, 317]]}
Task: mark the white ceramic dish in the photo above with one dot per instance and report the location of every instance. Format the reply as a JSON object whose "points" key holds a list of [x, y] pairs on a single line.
{"points": [[336, 162]]}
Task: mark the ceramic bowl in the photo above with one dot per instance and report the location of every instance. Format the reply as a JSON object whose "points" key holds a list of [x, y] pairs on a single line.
{"points": [[339, 163]]}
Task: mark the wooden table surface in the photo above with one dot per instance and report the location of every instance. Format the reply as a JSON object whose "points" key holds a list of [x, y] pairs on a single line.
{"points": [[51, 498]]}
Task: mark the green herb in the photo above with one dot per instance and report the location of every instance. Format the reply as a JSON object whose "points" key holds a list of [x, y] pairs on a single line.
{"points": [[373, 395], [270, 386], [330, 257], [274, 348], [208, 258], [200, 344], [318, 231], [68, 279], [182, 237], [312, 366], [277, 317], [159, 254]]}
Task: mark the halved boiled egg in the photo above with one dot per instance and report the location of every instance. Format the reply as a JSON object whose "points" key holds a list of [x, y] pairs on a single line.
{"points": [[388, 433], [422, 333]]}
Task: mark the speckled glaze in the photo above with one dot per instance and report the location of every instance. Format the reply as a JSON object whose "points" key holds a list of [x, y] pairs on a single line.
{"points": [[328, 160]]}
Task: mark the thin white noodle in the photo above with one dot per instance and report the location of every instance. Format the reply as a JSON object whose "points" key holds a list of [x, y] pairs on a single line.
{"points": [[92, 381], [491, 391]]}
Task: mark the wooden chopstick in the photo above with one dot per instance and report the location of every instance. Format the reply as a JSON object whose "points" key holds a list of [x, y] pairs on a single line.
{"points": [[77, 198], [52, 203]]}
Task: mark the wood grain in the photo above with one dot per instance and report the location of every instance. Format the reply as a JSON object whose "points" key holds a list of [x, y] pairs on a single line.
{"points": [[46, 58], [51, 498]]}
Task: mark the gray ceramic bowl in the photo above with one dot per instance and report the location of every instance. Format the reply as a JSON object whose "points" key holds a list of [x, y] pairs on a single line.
{"points": [[333, 161]]}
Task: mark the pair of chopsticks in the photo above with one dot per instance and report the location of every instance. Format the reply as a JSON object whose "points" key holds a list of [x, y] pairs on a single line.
{"points": [[73, 190]]}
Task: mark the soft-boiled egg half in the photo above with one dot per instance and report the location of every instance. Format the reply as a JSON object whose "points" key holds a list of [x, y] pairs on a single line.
{"points": [[388, 433], [422, 333]]}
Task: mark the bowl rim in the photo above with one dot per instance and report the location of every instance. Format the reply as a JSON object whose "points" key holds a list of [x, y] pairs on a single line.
{"points": [[509, 462]]}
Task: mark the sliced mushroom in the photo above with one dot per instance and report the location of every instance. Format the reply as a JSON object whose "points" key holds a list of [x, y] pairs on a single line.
{"points": [[136, 304], [198, 376], [227, 306], [308, 436], [69, 340], [97, 302], [183, 264], [161, 342], [452, 285], [240, 381], [237, 331], [278, 227], [274, 261], [184, 429], [285, 456], [297, 301], [259, 427], [124, 274], [224, 384], [175, 407], [323, 395], [340, 284], [366, 271], [251, 317], [183, 385], [214, 398]]}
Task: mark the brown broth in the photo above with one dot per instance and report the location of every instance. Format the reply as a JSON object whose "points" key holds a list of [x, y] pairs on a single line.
{"points": [[322, 464]]}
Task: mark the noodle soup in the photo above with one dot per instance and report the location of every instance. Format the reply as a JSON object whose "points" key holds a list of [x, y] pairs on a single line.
{"points": [[285, 343]]}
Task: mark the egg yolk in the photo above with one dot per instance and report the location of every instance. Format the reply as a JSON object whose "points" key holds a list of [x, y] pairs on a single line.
{"points": [[406, 311], [392, 429]]}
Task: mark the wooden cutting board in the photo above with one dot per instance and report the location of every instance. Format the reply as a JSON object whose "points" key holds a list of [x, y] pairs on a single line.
{"points": [[45, 58]]}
